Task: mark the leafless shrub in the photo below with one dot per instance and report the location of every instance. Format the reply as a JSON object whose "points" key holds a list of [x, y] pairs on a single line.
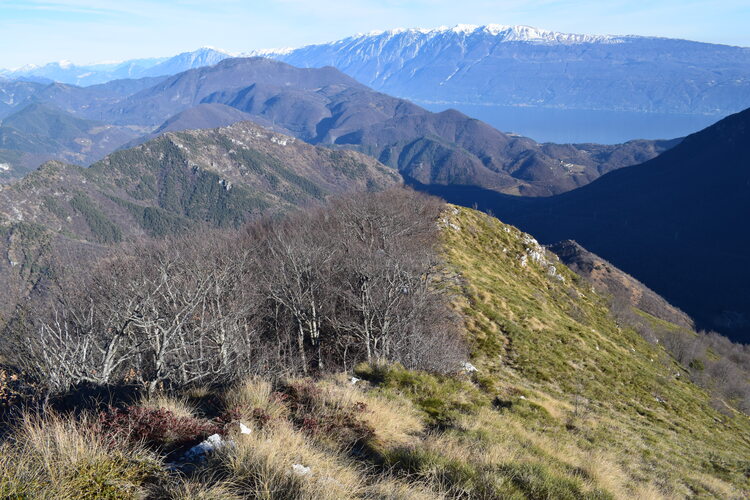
{"points": [[359, 280], [318, 290]]}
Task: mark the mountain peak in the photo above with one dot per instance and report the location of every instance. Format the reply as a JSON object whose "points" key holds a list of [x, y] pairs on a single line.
{"points": [[208, 49]]}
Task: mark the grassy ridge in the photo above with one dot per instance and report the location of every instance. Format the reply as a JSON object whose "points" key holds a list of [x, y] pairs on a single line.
{"points": [[598, 386]]}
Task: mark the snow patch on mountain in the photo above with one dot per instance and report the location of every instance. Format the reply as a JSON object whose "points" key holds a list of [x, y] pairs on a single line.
{"points": [[269, 52], [504, 33]]}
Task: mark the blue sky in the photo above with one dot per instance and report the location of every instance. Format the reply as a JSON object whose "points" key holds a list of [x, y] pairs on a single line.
{"points": [[84, 31]]}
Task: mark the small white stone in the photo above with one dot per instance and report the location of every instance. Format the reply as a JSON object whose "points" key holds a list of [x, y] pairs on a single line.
{"points": [[354, 380], [300, 469], [469, 368], [212, 443]]}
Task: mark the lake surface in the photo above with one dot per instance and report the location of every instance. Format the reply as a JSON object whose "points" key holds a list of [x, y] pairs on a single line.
{"points": [[575, 126]]}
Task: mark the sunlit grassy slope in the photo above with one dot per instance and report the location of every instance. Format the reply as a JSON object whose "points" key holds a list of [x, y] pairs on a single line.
{"points": [[575, 384]]}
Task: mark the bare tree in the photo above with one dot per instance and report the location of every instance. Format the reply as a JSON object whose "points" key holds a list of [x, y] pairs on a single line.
{"points": [[318, 290]]}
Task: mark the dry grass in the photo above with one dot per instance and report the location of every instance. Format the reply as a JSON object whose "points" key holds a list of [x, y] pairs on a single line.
{"points": [[180, 407], [395, 421], [649, 492], [193, 490], [487, 454], [267, 464], [255, 394], [198, 392], [391, 489], [61, 457], [489, 439], [719, 488]]}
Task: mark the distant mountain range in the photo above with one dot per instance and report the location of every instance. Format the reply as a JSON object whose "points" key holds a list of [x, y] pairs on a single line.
{"points": [[492, 65], [677, 223], [325, 107], [524, 66], [85, 75]]}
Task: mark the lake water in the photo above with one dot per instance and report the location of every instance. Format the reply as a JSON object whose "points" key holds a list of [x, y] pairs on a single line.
{"points": [[575, 126]]}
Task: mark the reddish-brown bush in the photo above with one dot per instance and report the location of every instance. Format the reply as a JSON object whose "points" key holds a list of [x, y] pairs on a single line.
{"points": [[157, 427]]}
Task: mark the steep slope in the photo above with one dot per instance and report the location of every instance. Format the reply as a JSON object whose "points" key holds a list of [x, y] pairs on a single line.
{"points": [[558, 402], [610, 281], [323, 106], [500, 65], [677, 223], [218, 177], [572, 388]]}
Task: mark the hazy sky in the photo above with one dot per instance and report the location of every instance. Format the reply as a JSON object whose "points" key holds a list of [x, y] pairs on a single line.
{"points": [[84, 31]]}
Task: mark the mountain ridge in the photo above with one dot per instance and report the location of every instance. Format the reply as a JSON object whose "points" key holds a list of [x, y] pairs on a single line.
{"points": [[325, 107]]}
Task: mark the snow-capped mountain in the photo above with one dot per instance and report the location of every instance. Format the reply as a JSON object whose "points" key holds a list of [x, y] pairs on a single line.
{"points": [[67, 72], [504, 33], [525, 66]]}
